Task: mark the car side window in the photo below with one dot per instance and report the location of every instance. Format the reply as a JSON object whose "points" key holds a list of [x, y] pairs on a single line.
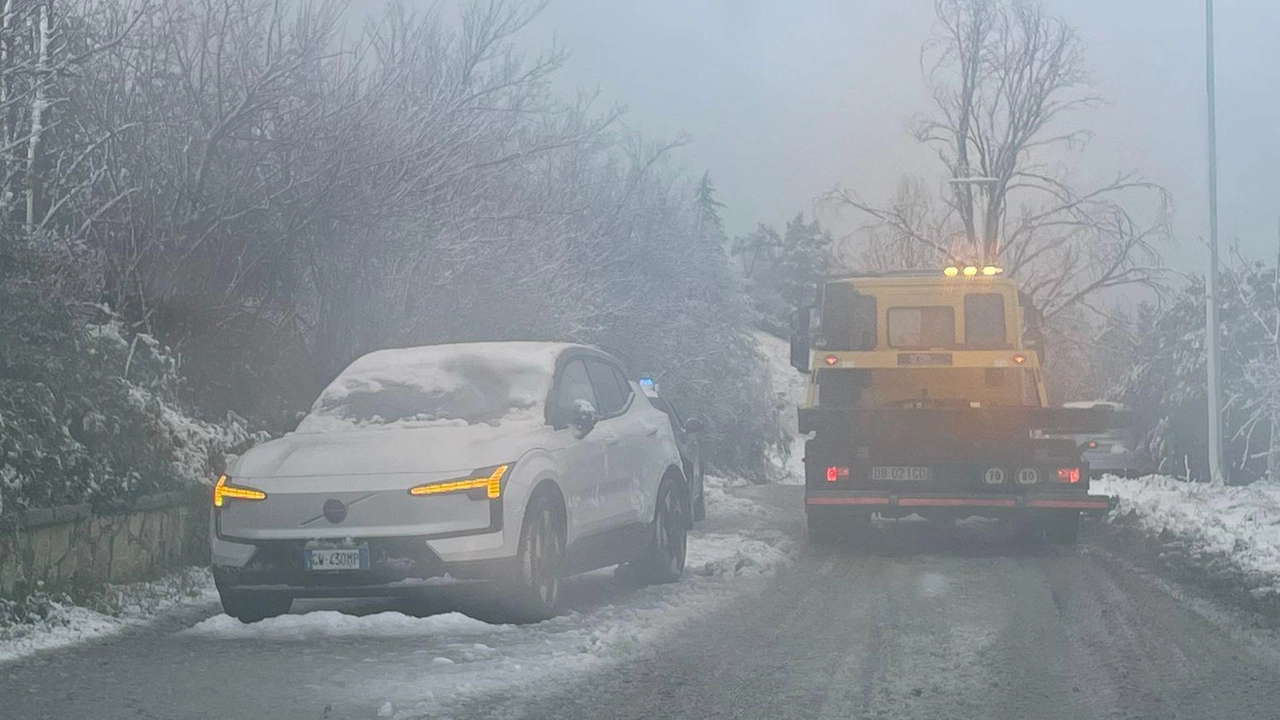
{"points": [[628, 392], [612, 401], [575, 385]]}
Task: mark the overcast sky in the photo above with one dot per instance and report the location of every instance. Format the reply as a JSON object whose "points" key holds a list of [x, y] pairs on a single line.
{"points": [[784, 99]]}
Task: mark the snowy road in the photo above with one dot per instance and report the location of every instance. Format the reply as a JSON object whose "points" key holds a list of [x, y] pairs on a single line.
{"points": [[930, 622]]}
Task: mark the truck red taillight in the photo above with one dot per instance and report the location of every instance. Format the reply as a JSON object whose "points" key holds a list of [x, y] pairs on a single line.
{"points": [[1069, 475], [836, 472]]}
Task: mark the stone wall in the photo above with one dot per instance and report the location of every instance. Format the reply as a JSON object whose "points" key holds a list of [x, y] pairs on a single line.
{"points": [[76, 545]]}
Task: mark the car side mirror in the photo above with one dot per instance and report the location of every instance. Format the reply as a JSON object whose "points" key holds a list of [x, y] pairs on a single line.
{"points": [[693, 425], [584, 418]]}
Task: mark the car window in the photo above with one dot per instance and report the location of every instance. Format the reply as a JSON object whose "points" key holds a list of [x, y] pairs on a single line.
{"points": [[921, 328], [848, 319], [627, 390], [984, 319], [607, 389], [574, 385]]}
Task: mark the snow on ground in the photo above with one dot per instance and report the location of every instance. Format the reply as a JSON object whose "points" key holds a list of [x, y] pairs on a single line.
{"points": [[462, 657], [789, 387], [61, 623], [1238, 526]]}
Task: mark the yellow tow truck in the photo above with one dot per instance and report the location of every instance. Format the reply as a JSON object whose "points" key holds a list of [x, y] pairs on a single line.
{"points": [[926, 396]]}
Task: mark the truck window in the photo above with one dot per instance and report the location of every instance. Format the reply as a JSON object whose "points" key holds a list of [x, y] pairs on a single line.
{"points": [[984, 323], [848, 318], [922, 328]]}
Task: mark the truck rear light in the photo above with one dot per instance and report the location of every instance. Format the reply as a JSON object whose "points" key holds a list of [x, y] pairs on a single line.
{"points": [[835, 472], [1069, 475], [831, 360]]}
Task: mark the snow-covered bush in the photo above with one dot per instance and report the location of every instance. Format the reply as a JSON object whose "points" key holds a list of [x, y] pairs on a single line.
{"points": [[1166, 386], [88, 411]]}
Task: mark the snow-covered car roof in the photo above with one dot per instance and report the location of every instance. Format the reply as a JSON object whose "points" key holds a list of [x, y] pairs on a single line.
{"points": [[458, 384]]}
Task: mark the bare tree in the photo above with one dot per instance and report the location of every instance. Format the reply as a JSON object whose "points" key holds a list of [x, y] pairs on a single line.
{"points": [[1004, 77]]}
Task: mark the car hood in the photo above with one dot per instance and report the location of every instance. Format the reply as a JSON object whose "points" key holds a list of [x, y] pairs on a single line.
{"points": [[396, 450]]}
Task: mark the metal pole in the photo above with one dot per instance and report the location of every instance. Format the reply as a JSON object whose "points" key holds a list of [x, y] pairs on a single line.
{"points": [[1212, 333]]}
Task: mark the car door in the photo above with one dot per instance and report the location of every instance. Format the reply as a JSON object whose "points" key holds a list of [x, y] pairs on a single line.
{"points": [[585, 461], [615, 428]]}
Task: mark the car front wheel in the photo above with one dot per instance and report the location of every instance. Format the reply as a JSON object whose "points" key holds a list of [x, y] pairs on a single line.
{"points": [[536, 588], [251, 607]]}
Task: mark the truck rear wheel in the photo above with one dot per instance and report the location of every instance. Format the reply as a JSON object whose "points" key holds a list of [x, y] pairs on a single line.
{"points": [[1062, 528]]}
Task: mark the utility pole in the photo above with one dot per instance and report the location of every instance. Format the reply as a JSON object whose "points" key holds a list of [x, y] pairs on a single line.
{"points": [[1212, 333]]}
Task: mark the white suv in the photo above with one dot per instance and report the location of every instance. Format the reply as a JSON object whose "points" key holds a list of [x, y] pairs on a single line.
{"points": [[520, 463]]}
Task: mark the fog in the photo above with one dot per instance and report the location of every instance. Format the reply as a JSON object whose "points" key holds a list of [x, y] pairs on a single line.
{"points": [[783, 101]]}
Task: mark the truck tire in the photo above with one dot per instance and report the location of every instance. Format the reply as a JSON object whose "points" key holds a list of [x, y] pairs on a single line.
{"points": [[1062, 528], [821, 529]]}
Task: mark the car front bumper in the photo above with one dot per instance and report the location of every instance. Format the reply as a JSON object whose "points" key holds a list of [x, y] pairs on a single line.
{"points": [[397, 565]]}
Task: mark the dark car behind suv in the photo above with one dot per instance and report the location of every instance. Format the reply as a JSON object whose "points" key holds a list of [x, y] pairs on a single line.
{"points": [[687, 431]]}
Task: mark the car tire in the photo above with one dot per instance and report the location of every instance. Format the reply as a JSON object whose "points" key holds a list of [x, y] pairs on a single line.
{"points": [[252, 607], [535, 590], [1062, 528], [664, 560], [700, 500]]}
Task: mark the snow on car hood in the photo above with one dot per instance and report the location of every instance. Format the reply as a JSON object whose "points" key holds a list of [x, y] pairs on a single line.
{"points": [[392, 450]]}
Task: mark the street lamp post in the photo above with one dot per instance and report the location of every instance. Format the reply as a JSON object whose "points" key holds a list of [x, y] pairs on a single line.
{"points": [[1213, 363]]}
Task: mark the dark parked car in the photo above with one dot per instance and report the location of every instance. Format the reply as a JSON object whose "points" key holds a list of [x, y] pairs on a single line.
{"points": [[1113, 452], [687, 431]]}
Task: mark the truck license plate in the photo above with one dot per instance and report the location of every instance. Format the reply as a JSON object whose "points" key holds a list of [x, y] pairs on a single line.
{"points": [[898, 472], [339, 559]]}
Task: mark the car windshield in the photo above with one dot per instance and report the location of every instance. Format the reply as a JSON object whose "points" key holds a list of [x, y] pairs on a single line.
{"points": [[432, 387]]}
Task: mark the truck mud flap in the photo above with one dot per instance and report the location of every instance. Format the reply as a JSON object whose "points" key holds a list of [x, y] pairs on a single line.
{"points": [[1092, 504]]}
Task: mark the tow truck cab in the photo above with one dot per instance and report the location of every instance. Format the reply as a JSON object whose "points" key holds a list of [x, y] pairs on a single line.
{"points": [[926, 395]]}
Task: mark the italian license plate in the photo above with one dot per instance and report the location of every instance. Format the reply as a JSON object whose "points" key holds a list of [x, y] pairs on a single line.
{"points": [[924, 358], [338, 559], [897, 472]]}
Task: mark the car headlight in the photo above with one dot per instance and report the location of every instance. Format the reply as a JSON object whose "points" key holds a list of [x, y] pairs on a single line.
{"points": [[489, 479], [224, 491]]}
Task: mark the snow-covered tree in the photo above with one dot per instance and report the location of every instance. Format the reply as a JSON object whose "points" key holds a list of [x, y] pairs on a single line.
{"points": [[1005, 77]]}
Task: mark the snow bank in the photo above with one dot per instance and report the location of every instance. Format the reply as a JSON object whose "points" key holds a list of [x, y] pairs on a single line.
{"points": [[116, 609], [737, 554], [721, 505], [1238, 526], [789, 389], [334, 624]]}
